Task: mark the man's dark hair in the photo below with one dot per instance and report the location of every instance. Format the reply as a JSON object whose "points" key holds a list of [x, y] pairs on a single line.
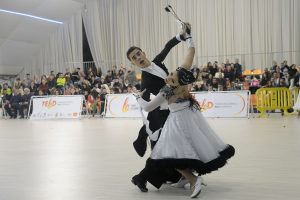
{"points": [[131, 49]]}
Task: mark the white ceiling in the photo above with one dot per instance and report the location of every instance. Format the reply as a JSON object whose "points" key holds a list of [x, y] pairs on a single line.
{"points": [[21, 37]]}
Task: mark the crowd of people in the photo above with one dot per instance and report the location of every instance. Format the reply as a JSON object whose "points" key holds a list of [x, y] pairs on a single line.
{"points": [[94, 85], [229, 76]]}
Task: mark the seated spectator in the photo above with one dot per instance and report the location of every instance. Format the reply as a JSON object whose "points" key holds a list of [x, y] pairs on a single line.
{"points": [[109, 76], [254, 82], [44, 87], [228, 85], [219, 73], [18, 83], [130, 75], [14, 105], [220, 87], [205, 72], [214, 84], [41, 93], [199, 86], [68, 79], [209, 80], [276, 79], [75, 75], [51, 81], [214, 68], [93, 101]]}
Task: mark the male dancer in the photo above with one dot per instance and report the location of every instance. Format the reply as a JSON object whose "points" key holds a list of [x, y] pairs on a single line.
{"points": [[153, 79]]}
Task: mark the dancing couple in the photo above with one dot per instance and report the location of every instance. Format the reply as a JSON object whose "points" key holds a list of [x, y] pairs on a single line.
{"points": [[187, 144]]}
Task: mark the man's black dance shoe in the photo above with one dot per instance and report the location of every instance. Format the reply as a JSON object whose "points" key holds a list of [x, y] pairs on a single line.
{"points": [[141, 183]]}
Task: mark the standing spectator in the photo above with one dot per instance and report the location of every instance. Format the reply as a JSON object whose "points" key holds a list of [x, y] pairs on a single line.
{"points": [[227, 63], [292, 71], [229, 73], [237, 69], [28, 80], [25, 101], [274, 66], [60, 83]]}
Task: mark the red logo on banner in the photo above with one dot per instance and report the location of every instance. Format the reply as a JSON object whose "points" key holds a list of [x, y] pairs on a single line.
{"points": [[49, 104], [206, 105]]}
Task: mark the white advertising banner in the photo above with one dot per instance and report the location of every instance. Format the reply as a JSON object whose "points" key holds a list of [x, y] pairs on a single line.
{"points": [[213, 104], [224, 104], [122, 105], [56, 107]]}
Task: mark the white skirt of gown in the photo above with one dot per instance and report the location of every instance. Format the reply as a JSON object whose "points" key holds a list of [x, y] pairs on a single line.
{"points": [[187, 137]]}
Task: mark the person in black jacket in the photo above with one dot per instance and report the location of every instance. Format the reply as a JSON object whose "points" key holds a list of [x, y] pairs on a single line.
{"points": [[153, 79]]}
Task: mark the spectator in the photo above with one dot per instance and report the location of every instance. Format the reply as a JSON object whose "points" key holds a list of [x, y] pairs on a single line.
{"points": [[229, 73], [24, 105], [60, 82], [75, 75], [131, 76], [237, 69], [44, 87]]}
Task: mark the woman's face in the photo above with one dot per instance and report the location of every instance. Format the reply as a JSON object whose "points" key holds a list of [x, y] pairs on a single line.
{"points": [[172, 79]]}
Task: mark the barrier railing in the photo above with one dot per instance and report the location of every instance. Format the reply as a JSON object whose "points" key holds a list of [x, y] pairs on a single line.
{"points": [[2, 109], [272, 99], [295, 93]]}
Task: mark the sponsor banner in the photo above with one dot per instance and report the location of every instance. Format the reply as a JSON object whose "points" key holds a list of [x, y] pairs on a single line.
{"points": [[214, 104], [56, 107], [224, 104], [122, 105]]}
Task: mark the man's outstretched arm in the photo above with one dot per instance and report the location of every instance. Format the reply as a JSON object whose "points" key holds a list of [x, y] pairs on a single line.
{"points": [[170, 44], [163, 54]]}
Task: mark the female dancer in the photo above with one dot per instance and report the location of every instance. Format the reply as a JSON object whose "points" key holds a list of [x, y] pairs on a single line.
{"points": [[187, 142]]}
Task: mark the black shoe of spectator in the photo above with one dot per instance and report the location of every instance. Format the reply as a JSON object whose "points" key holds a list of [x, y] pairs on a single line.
{"points": [[140, 144], [140, 183]]}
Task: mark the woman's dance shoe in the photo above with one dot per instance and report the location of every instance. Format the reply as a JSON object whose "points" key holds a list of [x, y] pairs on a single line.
{"points": [[181, 183], [197, 188]]}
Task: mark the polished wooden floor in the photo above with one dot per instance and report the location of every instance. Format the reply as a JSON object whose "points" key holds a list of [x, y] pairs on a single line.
{"points": [[92, 159]]}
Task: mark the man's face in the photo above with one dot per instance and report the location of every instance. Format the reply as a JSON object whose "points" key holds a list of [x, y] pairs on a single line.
{"points": [[138, 58]]}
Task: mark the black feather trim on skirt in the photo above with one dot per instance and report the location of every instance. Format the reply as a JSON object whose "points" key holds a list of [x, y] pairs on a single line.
{"points": [[200, 167]]}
